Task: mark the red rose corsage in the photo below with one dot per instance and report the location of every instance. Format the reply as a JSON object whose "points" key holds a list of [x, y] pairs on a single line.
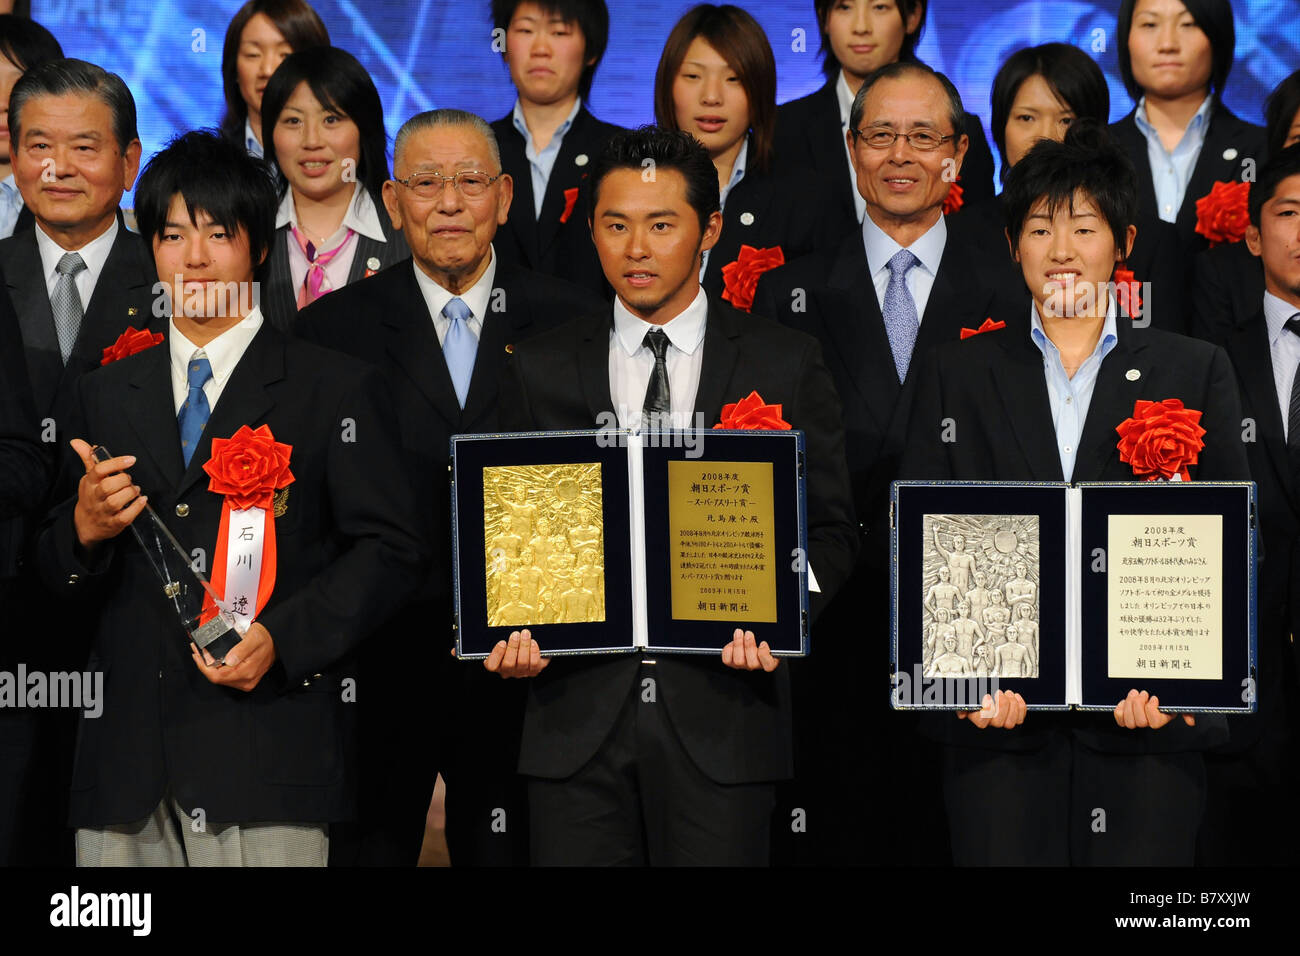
{"points": [[1161, 439], [249, 467], [1222, 214], [129, 342], [740, 278], [988, 325], [751, 413]]}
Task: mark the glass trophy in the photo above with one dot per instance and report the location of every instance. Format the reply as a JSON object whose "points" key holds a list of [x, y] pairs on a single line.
{"points": [[182, 584]]}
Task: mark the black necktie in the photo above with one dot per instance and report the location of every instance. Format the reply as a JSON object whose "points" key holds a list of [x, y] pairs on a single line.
{"points": [[658, 402], [1293, 412]]}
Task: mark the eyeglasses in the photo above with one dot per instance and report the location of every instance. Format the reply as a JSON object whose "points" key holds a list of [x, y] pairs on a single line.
{"points": [[922, 139], [469, 182]]}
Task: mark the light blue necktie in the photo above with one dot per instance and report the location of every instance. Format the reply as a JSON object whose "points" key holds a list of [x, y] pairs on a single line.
{"points": [[901, 322], [459, 346], [194, 413]]}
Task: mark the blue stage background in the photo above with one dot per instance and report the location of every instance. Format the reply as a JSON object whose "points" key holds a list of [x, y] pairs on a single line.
{"points": [[437, 53]]}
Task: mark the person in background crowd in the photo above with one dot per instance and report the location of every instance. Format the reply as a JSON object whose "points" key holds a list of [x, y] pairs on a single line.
{"points": [[857, 38], [24, 45], [323, 118], [260, 35], [552, 49], [717, 81], [1175, 57]]}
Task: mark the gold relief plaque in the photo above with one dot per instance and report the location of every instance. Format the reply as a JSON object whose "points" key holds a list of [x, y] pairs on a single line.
{"points": [[721, 538], [544, 540]]}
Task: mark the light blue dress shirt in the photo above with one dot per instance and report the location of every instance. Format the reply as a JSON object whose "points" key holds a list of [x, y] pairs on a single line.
{"points": [[250, 141], [881, 247], [11, 204], [540, 163], [1284, 349], [737, 174], [1171, 172], [1070, 397]]}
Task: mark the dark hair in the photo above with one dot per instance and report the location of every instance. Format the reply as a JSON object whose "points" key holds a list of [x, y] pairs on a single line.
{"points": [[666, 149], [301, 28], [905, 9], [1087, 161], [1279, 112], [214, 175], [591, 16], [1279, 166], [23, 8], [343, 85], [739, 40], [1214, 17], [1072, 76], [60, 77], [25, 43], [892, 71]]}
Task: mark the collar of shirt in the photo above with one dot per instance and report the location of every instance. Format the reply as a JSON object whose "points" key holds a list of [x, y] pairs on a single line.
{"points": [[94, 254], [737, 172], [845, 97], [1276, 314], [361, 217], [685, 330], [522, 125], [11, 205], [881, 247], [251, 142], [1108, 340], [223, 354], [1196, 127], [477, 297]]}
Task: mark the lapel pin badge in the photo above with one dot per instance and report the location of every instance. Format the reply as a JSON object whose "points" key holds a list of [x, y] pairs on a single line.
{"points": [[510, 349], [132, 310], [746, 218], [1132, 375], [373, 263], [581, 159], [1230, 153]]}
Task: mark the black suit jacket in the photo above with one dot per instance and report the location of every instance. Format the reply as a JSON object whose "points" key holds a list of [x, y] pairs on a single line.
{"points": [[279, 300], [23, 464], [542, 242], [346, 560], [735, 725], [775, 209], [1163, 252], [1227, 288], [994, 388], [810, 144]]}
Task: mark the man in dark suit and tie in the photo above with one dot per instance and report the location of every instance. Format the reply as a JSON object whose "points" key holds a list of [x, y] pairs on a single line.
{"points": [[249, 761], [76, 280], [441, 326], [883, 297], [1251, 784], [688, 775], [550, 138]]}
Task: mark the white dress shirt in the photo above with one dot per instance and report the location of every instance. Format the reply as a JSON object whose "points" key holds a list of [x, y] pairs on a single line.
{"points": [[362, 218], [631, 363], [1284, 349], [845, 98], [478, 297], [94, 254], [223, 354], [928, 249]]}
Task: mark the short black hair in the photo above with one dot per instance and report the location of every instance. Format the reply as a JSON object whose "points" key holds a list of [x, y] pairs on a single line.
{"points": [[212, 174], [905, 9], [63, 76], [25, 43], [1279, 166], [665, 149], [591, 16], [902, 68], [340, 83], [1214, 17], [1071, 74], [1088, 161], [1279, 112]]}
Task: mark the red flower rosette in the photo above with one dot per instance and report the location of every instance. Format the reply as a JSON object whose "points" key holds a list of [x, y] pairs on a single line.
{"points": [[1222, 214], [988, 325], [1161, 439], [1127, 292], [954, 200], [129, 342], [740, 278], [570, 200], [248, 467], [751, 414]]}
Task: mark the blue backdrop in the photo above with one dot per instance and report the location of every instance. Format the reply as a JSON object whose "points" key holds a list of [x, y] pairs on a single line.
{"points": [[433, 53]]}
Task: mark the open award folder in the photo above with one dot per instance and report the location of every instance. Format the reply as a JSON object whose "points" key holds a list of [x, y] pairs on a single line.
{"points": [[1072, 596], [607, 541]]}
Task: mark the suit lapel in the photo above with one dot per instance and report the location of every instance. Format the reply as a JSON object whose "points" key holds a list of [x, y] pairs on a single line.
{"points": [[500, 331], [514, 160], [1250, 353], [593, 363], [413, 345], [25, 279], [565, 174], [859, 332], [1114, 394], [1211, 165], [719, 361], [1022, 388], [149, 409], [279, 300], [110, 310], [829, 142]]}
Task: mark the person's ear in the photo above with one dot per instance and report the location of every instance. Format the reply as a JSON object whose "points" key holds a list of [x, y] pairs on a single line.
{"points": [[1011, 246], [712, 230], [1127, 247], [912, 22], [389, 195], [130, 164], [1254, 241], [505, 197]]}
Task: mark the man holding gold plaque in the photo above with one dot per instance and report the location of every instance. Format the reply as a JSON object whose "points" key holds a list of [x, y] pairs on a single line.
{"points": [[665, 759]]}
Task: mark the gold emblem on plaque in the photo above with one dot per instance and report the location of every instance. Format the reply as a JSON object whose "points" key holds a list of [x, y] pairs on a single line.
{"points": [[544, 540]]}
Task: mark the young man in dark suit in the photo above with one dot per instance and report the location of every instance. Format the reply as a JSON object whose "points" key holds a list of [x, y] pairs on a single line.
{"points": [[689, 776], [1181, 138], [1252, 781], [871, 337], [249, 761], [1040, 400], [859, 37], [76, 281], [549, 140], [399, 320]]}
